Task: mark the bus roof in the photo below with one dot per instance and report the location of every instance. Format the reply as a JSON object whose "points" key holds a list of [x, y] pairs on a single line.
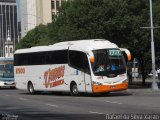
{"points": [[82, 45]]}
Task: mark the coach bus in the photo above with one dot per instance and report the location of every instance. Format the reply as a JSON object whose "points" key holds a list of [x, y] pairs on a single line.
{"points": [[6, 72], [83, 66]]}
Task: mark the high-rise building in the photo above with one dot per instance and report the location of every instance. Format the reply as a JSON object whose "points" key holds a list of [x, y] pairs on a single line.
{"points": [[8, 22], [33, 13]]}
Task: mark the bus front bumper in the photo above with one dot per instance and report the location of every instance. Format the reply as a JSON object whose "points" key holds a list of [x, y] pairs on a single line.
{"points": [[5, 84], [109, 88]]}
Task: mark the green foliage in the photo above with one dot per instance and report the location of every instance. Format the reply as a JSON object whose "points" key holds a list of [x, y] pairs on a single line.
{"points": [[157, 31], [119, 21], [35, 37]]}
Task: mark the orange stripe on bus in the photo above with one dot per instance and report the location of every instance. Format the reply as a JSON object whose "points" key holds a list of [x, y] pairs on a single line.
{"points": [[109, 88], [129, 57]]}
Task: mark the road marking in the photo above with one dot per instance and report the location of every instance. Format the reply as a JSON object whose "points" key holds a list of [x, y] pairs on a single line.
{"points": [[52, 105], [93, 112], [7, 95], [11, 108], [113, 102], [23, 99]]}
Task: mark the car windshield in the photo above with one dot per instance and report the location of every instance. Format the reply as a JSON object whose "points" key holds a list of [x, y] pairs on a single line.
{"points": [[6, 70], [108, 62]]}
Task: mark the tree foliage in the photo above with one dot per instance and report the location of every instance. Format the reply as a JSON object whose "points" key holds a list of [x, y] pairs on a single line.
{"points": [[119, 21], [35, 37]]}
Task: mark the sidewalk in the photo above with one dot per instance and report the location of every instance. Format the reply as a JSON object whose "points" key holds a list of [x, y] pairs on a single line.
{"points": [[137, 88]]}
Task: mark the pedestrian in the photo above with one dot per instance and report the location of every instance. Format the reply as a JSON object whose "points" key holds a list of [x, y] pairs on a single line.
{"points": [[129, 73]]}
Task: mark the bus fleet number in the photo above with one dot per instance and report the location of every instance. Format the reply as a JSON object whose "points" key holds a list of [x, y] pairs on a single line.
{"points": [[20, 70]]}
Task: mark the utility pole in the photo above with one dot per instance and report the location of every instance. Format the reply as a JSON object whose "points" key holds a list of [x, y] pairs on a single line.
{"points": [[154, 83]]}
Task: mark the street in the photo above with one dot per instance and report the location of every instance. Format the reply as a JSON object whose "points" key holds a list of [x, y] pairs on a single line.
{"points": [[50, 106], [79, 46]]}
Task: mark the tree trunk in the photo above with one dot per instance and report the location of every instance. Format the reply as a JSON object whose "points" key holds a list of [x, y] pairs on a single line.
{"points": [[143, 72]]}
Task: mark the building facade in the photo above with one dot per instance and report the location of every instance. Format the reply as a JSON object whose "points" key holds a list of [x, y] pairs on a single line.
{"points": [[33, 13], [8, 45], [8, 22], [55, 4]]}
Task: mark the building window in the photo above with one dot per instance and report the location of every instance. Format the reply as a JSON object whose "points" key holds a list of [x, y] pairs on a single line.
{"points": [[57, 4], [52, 4], [6, 50], [11, 50]]}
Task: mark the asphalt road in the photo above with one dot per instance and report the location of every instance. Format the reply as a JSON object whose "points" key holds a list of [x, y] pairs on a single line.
{"points": [[16, 104]]}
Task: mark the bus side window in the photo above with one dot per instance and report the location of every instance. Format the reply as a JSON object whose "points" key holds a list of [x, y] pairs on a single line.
{"points": [[56, 57], [86, 64], [78, 60]]}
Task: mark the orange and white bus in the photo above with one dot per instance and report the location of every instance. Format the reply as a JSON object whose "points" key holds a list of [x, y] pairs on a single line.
{"points": [[90, 66]]}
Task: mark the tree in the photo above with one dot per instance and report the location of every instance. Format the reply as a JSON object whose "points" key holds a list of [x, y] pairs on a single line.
{"points": [[119, 21], [156, 18], [35, 37]]}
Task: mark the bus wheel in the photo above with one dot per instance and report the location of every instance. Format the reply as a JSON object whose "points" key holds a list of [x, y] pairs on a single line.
{"points": [[31, 88], [74, 89]]}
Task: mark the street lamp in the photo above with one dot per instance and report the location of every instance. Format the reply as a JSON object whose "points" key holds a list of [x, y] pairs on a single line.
{"points": [[154, 83]]}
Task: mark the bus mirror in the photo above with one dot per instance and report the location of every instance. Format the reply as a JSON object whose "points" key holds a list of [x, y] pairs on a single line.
{"points": [[126, 53], [91, 59]]}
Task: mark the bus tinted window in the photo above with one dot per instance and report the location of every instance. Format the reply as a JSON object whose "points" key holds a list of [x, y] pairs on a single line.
{"points": [[40, 58], [56, 57], [108, 62], [20, 59], [37, 58], [79, 60]]}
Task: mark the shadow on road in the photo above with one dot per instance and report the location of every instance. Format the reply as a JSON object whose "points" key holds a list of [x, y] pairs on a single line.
{"points": [[10, 112], [113, 94], [7, 88]]}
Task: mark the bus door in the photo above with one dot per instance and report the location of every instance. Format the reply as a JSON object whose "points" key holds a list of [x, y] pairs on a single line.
{"points": [[88, 83], [79, 61], [87, 74]]}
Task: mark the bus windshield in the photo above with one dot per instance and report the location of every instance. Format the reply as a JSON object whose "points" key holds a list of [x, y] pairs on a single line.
{"points": [[108, 62], [6, 69]]}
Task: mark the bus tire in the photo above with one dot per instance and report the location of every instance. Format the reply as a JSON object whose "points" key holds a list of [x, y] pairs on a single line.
{"points": [[74, 89], [31, 88]]}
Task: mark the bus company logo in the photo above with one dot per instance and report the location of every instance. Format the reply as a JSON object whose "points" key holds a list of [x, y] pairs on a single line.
{"points": [[52, 77], [20, 70]]}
